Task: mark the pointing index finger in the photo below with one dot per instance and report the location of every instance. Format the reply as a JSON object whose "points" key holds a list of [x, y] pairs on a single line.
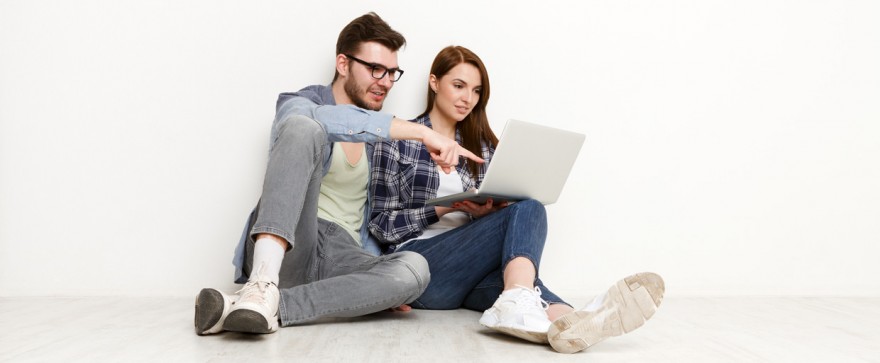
{"points": [[466, 153]]}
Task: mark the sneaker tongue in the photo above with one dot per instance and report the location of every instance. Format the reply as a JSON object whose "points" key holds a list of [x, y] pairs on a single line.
{"points": [[254, 291], [517, 291], [526, 299]]}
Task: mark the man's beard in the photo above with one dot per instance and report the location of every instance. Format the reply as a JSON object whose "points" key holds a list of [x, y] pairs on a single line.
{"points": [[357, 94]]}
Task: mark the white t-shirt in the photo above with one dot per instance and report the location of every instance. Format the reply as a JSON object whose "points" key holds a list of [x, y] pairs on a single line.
{"points": [[449, 184]]}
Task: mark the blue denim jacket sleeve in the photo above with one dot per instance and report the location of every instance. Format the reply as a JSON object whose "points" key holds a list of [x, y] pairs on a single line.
{"points": [[238, 256], [346, 123]]}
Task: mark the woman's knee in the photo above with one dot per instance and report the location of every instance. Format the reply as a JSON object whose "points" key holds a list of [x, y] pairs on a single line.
{"points": [[531, 207]]}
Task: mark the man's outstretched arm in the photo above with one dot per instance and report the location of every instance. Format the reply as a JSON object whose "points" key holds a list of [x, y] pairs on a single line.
{"points": [[352, 124], [444, 150]]}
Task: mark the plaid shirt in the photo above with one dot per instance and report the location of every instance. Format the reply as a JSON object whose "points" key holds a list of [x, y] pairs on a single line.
{"points": [[404, 178]]}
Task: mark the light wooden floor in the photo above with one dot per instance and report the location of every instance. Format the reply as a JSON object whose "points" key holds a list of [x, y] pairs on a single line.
{"points": [[718, 329]]}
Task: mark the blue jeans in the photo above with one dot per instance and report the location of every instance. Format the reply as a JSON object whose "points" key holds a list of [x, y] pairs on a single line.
{"points": [[467, 263]]}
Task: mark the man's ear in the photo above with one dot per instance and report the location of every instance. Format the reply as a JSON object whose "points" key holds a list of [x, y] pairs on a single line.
{"points": [[342, 65]]}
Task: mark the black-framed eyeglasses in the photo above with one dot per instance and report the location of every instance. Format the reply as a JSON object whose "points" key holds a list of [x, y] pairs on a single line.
{"points": [[379, 71]]}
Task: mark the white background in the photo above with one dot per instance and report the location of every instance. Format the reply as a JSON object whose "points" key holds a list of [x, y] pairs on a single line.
{"points": [[732, 146]]}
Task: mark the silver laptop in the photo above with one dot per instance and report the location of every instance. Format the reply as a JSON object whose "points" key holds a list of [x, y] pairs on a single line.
{"points": [[531, 161]]}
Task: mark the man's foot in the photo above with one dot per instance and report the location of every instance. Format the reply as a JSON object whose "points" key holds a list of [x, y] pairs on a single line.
{"points": [[519, 312], [625, 307], [256, 310], [212, 307]]}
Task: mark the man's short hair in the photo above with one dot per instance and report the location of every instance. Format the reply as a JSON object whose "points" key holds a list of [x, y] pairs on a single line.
{"points": [[367, 28]]}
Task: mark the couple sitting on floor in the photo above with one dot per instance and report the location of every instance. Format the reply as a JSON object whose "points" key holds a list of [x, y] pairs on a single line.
{"points": [[344, 180]]}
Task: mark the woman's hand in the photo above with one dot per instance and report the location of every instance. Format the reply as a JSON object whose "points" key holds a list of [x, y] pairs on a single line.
{"points": [[476, 210], [441, 211]]}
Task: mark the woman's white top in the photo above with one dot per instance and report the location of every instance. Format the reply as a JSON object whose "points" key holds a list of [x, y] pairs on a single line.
{"points": [[449, 184]]}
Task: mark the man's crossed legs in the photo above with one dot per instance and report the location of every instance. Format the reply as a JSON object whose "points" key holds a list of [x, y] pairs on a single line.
{"points": [[337, 279]]}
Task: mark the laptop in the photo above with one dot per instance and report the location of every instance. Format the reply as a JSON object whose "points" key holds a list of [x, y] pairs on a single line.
{"points": [[531, 162]]}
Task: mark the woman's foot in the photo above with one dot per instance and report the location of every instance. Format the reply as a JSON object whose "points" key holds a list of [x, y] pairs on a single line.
{"points": [[519, 312]]}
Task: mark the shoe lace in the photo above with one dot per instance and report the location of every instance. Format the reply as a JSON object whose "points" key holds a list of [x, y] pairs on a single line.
{"points": [[254, 291], [531, 299]]}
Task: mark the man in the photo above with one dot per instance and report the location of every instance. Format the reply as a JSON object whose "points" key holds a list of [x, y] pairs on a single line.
{"points": [[307, 231]]}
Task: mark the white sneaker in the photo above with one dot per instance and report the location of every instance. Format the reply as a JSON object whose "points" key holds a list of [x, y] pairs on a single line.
{"points": [[256, 310], [519, 312], [212, 308], [625, 307]]}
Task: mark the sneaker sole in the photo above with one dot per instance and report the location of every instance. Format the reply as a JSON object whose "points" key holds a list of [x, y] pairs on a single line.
{"points": [[248, 321], [534, 337], [627, 306], [209, 310]]}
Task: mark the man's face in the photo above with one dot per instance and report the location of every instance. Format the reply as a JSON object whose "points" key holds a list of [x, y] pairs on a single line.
{"points": [[364, 90]]}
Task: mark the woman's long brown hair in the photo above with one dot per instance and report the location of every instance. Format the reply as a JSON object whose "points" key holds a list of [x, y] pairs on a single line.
{"points": [[475, 126]]}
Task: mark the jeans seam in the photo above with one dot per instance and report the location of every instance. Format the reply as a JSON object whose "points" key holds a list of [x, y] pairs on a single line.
{"points": [[282, 309]]}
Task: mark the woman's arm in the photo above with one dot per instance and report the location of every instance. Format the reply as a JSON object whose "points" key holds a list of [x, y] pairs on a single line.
{"points": [[391, 189]]}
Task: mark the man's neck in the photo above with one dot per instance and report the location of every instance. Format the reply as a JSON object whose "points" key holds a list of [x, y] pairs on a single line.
{"points": [[339, 94]]}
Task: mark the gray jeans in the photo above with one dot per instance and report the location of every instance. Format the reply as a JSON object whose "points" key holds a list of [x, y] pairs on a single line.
{"points": [[326, 274]]}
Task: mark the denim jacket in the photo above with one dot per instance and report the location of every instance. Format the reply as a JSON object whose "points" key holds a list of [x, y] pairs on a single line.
{"points": [[342, 123]]}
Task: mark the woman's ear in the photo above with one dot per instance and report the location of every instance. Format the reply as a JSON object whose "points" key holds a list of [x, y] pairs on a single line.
{"points": [[432, 82]]}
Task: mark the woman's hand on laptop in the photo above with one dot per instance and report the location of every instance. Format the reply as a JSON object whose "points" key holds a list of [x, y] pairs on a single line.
{"points": [[477, 210]]}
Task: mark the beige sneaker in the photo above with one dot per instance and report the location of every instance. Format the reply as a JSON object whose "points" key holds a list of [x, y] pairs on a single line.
{"points": [[212, 308], [256, 310], [625, 307]]}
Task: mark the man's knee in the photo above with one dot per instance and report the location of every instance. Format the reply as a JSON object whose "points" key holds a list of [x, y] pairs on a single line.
{"points": [[300, 128], [417, 274]]}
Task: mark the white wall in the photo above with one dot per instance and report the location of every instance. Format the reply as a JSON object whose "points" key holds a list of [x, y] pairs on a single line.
{"points": [[733, 146]]}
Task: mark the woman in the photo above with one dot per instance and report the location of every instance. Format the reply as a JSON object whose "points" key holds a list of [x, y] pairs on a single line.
{"points": [[481, 257]]}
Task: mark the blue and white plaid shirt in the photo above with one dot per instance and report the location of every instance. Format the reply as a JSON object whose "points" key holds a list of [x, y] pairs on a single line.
{"points": [[404, 178]]}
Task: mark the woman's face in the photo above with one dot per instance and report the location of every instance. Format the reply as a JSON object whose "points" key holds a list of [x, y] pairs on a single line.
{"points": [[457, 91]]}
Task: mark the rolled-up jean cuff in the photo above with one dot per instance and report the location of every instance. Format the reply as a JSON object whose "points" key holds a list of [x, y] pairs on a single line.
{"points": [[521, 254], [274, 231]]}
